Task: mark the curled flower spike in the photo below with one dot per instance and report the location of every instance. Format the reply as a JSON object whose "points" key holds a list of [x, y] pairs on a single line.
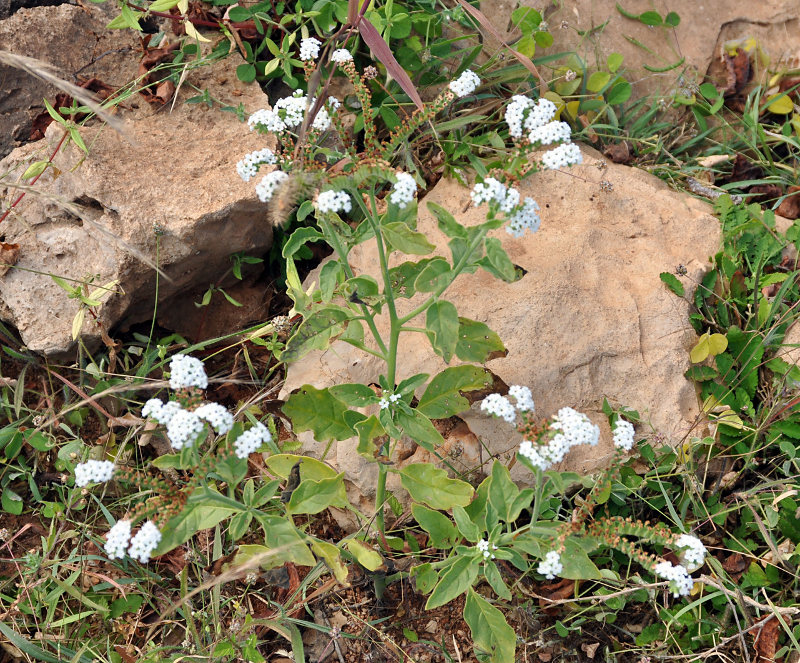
{"points": [[248, 167], [403, 190], [145, 542], [567, 154], [571, 429], [217, 416], [499, 406], [693, 553], [522, 396], [93, 471], [162, 412], [266, 188], [186, 371]]}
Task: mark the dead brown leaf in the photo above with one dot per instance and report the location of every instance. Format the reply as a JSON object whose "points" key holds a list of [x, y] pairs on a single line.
{"points": [[766, 640], [619, 152], [790, 207], [737, 70], [590, 650], [735, 564], [762, 193], [9, 254]]}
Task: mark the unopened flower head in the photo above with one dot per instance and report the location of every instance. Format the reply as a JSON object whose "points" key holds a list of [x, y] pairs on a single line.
{"points": [[248, 167], [403, 190], [332, 202], [567, 154], [692, 553], [93, 471], [184, 428], [551, 566], [162, 412], [266, 188], [309, 49], [217, 416], [186, 371], [145, 542], [117, 539], [251, 440], [623, 435], [341, 55], [465, 84], [681, 582]]}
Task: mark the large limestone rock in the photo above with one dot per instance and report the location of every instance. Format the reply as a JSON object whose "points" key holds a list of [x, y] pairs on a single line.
{"points": [[595, 28], [589, 319], [173, 174]]}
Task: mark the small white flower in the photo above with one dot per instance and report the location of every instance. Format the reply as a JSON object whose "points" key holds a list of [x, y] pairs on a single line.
{"points": [[183, 429], [309, 49], [403, 190], [499, 406], [483, 547], [465, 84], [160, 411], [384, 403], [525, 218], [265, 189], [681, 582], [567, 154], [217, 416], [693, 551], [117, 539], [551, 566], [623, 434], [331, 202], [266, 121], [251, 440], [552, 132], [186, 371], [145, 542], [93, 471], [522, 396], [394, 398], [248, 167], [489, 190], [341, 55]]}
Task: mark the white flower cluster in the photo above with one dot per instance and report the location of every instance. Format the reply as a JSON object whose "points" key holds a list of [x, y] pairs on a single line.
{"points": [[183, 429], [681, 582], [693, 552], [524, 114], [551, 566], [145, 542], [265, 189], [533, 120], [186, 371], [160, 411], [289, 112], [523, 397], [266, 121], [341, 55], [331, 202], [140, 547], [403, 190], [465, 84], [248, 167], [506, 199], [217, 416], [309, 49], [483, 547], [499, 406], [623, 435], [251, 440], [572, 429], [386, 401], [93, 471]]}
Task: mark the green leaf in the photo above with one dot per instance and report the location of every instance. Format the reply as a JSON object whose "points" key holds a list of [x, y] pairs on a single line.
{"points": [[420, 429], [597, 81], [701, 373], [431, 485], [332, 557], [455, 581], [191, 520], [364, 554], [404, 276], [401, 238], [497, 262], [424, 576], [330, 276], [502, 491], [478, 343], [283, 544], [619, 93], [494, 579], [441, 322], [490, 631], [708, 345], [315, 496], [368, 430], [319, 411], [468, 529], [447, 223], [442, 532], [35, 169], [246, 72], [443, 398], [300, 238], [672, 283], [577, 565], [11, 502], [651, 18], [672, 19], [614, 62], [435, 275], [315, 332], [354, 395]]}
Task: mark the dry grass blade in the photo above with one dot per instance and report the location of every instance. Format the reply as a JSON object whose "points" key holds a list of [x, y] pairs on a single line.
{"points": [[487, 25], [75, 210], [47, 73]]}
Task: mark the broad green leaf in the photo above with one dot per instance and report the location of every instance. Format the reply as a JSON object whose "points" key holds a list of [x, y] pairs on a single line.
{"points": [[365, 555], [701, 373], [780, 104], [353, 394], [442, 532], [597, 81], [494, 579], [478, 343], [333, 558], [310, 468], [319, 411], [614, 62], [11, 502], [477, 509], [368, 430], [468, 529], [502, 490], [619, 93], [411, 384], [283, 544], [443, 398], [425, 577], [651, 18], [314, 332], [435, 275], [329, 277], [431, 485], [497, 262], [455, 581], [404, 276], [420, 429], [193, 519], [299, 238], [708, 345], [577, 565], [672, 19], [315, 496], [672, 283], [35, 169], [401, 238], [447, 223], [441, 321], [490, 631]]}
